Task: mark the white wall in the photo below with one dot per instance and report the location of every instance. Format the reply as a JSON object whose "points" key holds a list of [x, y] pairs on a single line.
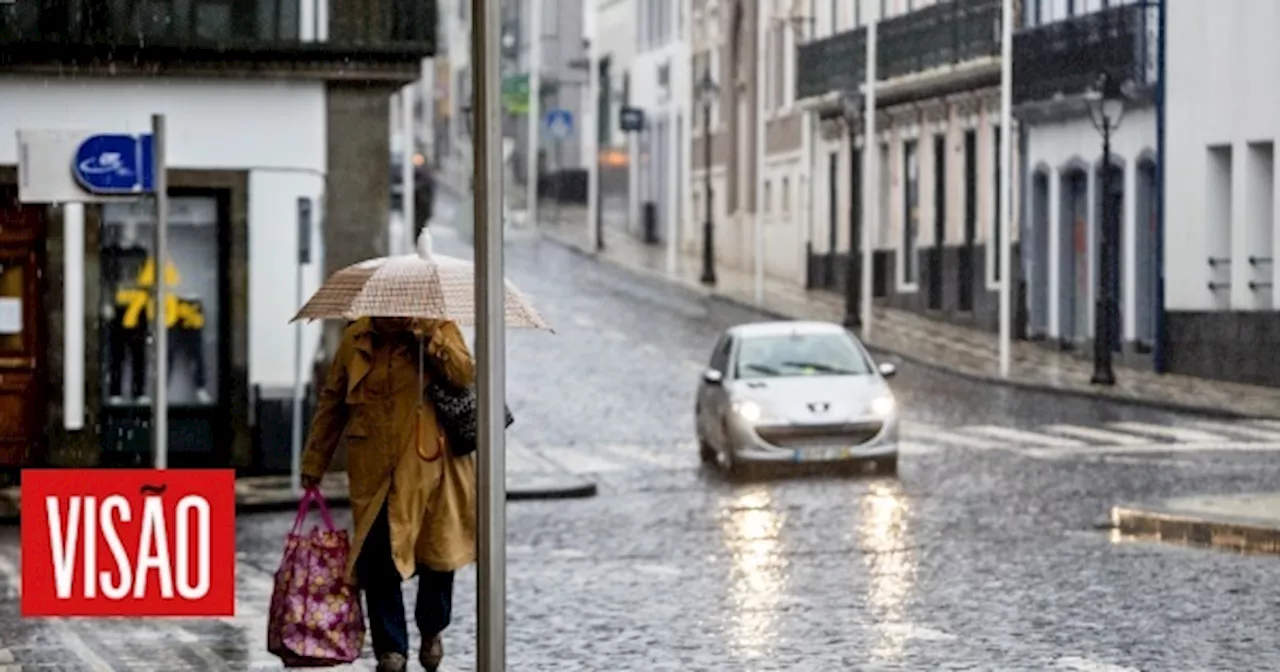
{"points": [[1056, 149], [1222, 90], [275, 130]]}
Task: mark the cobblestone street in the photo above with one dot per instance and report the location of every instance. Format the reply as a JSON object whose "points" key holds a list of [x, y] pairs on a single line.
{"points": [[985, 553]]}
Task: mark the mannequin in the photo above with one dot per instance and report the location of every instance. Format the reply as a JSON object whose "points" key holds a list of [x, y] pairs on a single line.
{"points": [[122, 260]]}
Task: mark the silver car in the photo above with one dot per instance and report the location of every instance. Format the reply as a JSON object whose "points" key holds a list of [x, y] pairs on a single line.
{"points": [[795, 392]]}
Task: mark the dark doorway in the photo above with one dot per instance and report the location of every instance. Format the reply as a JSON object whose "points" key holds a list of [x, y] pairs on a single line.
{"points": [[939, 221], [967, 265], [1073, 266], [1040, 254], [1109, 214], [22, 354], [833, 217], [1146, 273], [854, 281]]}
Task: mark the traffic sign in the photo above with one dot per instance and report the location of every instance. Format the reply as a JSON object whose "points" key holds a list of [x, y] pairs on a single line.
{"points": [[559, 123], [115, 164], [632, 119]]}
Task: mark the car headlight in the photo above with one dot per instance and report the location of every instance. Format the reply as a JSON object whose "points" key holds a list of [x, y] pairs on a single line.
{"points": [[883, 406], [748, 410]]}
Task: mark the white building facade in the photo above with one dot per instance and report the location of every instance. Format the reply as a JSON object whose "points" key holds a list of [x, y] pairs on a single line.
{"points": [[1059, 101], [1221, 238], [251, 153], [935, 244], [659, 88]]}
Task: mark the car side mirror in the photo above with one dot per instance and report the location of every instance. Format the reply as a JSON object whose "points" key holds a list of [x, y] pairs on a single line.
{"points": [[712, 377], [887, 370]]}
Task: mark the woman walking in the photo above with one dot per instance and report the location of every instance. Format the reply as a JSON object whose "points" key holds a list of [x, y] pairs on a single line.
{"points": [[412, 500]]}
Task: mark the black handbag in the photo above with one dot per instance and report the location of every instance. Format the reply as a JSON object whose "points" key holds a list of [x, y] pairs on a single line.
{"points": [[458, 410]]}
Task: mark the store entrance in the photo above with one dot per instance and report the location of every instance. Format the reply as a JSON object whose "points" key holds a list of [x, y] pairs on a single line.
{"points": [[193, 279], [22, 361]]}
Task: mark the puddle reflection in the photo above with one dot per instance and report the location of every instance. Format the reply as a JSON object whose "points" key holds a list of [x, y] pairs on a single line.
{"points": [[890, 559], [756, 577]]}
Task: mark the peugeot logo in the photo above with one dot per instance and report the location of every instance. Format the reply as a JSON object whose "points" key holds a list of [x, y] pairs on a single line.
{"points": [[820, 407]]}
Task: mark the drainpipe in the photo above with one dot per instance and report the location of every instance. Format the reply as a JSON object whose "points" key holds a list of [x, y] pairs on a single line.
{"points": [[1161, 70]]}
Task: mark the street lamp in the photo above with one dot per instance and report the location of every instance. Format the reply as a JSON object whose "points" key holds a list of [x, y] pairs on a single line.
{"points": [[853, 280], [708, 90], [1106, 110]]}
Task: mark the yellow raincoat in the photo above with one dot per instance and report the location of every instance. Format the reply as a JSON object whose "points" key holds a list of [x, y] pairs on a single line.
{"points": [[370, 399]]}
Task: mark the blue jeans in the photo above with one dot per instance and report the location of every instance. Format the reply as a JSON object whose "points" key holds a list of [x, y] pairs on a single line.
{"points": [[384, 602]]}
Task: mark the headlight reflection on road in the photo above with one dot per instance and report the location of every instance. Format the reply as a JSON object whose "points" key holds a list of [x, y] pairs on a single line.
{"points": [[756, 579], [891, 567]]}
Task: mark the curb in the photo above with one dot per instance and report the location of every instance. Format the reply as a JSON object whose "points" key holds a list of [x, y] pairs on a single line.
{"points": [[1139, 402], [1169, 525]]}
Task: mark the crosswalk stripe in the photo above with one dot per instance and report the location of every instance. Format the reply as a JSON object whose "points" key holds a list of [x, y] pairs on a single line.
{"points": [[1095, 434], [938, 435], [580, 461], [1177, 434], [666, 460], [916, 448], [1023, 437], [1239, 429]]}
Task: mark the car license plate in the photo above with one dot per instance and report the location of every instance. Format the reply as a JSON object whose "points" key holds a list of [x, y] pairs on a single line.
{"points": [[822, 454]]}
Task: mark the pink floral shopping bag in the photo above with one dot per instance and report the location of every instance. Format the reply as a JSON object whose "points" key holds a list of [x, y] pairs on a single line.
{"points": [[315, 618]]}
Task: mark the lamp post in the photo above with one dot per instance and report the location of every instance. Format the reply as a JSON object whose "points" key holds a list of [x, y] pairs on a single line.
{"points": [[1106, 110], [853, 279], [708, 91]]}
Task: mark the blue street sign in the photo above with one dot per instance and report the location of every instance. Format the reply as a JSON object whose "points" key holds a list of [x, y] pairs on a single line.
{"points": [[115, 164], [559, 123]]}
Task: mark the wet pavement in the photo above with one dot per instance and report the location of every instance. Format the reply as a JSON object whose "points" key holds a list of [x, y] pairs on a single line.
{"points": [[983, 554]]}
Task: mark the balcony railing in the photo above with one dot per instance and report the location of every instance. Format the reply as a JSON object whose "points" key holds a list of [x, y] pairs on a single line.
{"points": [[836, 63], [1066, 57], [278, 27], [943, 34]]}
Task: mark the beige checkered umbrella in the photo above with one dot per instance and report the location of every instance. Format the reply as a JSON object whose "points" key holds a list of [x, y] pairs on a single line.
{"points": [[424, 285]]}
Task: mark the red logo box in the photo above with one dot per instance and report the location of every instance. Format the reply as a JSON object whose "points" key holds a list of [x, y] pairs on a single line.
{"points": [[135, 542]]}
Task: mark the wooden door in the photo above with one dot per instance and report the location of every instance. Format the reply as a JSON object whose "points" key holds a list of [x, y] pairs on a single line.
{"points": [[22, 400]]}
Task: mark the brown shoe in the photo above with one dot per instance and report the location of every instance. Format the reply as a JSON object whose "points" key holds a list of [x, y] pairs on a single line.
{"points": [[392, 662], [432, 653]]}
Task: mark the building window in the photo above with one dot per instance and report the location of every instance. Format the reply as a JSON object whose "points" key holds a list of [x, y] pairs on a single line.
{"points": [[835, 17], [768, 195], [910, 211], [191, 281], [786, 195]]}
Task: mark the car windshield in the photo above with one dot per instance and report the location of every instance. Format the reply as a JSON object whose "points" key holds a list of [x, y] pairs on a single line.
{"points": [[800, 354]]}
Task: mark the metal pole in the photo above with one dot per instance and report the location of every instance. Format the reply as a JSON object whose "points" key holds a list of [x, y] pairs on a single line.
{"points": [[870, 172], [591, 133], [535, 106], [303, 257], [1006, 185], [708, 224], [409, 146], [1104, 305], [761, 38], [159, 326], [491, 599]]}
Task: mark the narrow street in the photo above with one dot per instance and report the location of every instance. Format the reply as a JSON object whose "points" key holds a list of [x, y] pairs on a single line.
{"points": [[983, 554]]}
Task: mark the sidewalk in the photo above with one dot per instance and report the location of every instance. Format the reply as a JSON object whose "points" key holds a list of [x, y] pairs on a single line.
{"points": [[1245, 523], [963, 351], [530, 476]]}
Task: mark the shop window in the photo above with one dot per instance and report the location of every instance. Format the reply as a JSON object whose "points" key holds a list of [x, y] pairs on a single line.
{"points": [[191, 279]]}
